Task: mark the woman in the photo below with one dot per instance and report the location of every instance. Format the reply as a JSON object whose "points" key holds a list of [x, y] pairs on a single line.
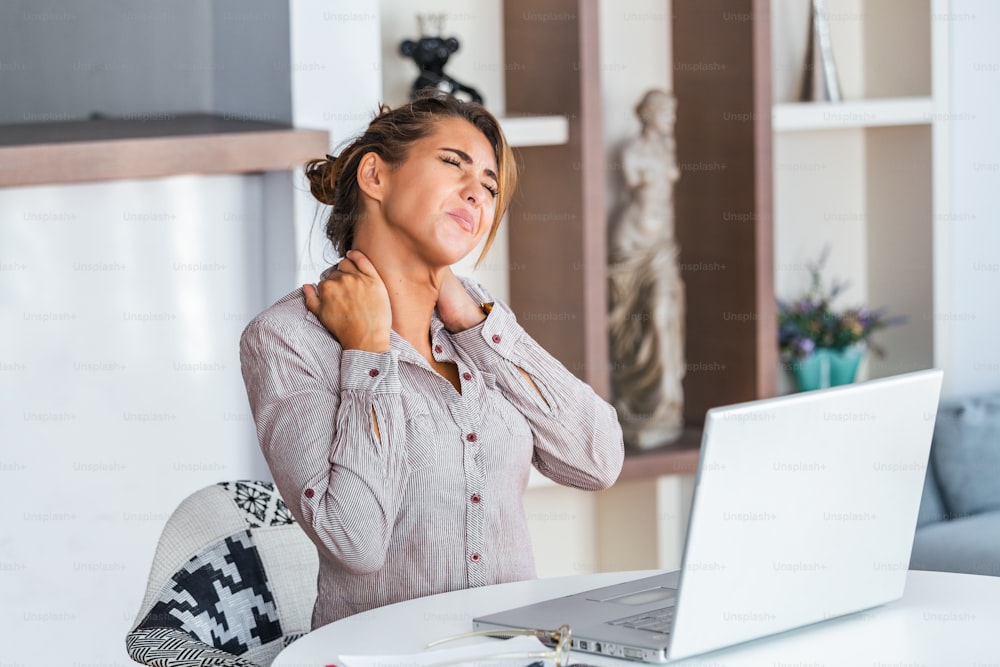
{"points": [[398, 407]]}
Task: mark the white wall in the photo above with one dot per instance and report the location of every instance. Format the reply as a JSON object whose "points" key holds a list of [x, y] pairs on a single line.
{"points": [[970, 314], [121, 306], [333, 73]]}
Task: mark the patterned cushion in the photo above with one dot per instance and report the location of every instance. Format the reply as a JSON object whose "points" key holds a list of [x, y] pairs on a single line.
{"points": [[222, 598], [262, 505], [233, 581], [168, 647]]}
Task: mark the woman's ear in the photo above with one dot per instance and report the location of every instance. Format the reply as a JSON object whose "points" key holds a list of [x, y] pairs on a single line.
{"points": [[371, 175]]}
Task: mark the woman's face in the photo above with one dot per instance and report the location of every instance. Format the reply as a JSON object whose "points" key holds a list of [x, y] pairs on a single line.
{"points": [[440, 201]]}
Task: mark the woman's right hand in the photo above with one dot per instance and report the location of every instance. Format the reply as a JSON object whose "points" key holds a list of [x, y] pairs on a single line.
{"points": [[353, 304]]}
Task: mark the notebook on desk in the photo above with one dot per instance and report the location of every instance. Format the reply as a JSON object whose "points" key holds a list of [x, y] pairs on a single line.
{"points": [[804, 509]]}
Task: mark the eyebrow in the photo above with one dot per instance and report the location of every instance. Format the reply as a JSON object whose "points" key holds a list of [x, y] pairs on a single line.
{"points": [[466, 158]]}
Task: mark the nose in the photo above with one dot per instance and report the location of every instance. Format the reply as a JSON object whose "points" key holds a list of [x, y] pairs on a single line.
{"points": [[472, 191]]}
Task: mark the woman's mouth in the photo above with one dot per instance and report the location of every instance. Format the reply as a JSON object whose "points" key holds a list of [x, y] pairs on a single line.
{"points": [[463, 218]]}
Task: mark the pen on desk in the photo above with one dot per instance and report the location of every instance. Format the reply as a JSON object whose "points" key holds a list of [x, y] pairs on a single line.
{"points": [[536, 663]]}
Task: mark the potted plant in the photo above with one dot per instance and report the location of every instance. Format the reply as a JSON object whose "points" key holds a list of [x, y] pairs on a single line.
{"points": [[821, 346]]}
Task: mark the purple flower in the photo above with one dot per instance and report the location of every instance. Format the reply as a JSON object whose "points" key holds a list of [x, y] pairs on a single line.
{"points": [[810, 321], [805, 346]]}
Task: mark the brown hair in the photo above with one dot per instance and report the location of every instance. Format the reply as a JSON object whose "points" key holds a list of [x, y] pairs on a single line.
{"points": [[333, 181]]}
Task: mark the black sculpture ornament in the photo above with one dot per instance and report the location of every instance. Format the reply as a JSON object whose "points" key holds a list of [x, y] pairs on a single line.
{"points": [[431, 54]]}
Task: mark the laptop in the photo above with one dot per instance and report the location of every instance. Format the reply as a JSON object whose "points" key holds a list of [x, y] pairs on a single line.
{"points": [[804, 509]]}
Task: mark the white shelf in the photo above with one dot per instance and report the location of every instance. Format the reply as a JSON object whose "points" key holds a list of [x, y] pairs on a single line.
{"points": [[536, 130], [805, 116]]}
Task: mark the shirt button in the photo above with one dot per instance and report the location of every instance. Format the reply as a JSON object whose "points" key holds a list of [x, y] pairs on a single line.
{"points": [[438, 348], [475, 557], [309, 493], [466, 376], [475, 498], [496, 338], [471, 437], [373, 372]]}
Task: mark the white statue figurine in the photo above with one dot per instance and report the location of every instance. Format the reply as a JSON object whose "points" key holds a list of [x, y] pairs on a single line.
{"points": [[646, 319]]}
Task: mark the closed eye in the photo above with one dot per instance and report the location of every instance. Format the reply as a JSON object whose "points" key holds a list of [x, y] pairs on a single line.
{"points": [[494, 192]]}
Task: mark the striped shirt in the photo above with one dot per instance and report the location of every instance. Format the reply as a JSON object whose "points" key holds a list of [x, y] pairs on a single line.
{"points": [[433, 501]]}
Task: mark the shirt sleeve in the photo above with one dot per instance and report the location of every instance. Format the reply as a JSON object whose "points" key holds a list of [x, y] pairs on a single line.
{"points": [[578, 439], [314, 405]]}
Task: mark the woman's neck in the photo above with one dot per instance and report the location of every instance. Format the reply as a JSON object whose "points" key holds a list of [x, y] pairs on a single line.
{"points": [[413, 292]]}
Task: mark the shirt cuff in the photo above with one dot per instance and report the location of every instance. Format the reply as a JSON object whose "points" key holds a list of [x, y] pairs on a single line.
{"points": [[497, 337], [370, 371]]}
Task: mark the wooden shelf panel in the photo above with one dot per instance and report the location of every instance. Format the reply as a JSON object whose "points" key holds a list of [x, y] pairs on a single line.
{"points": [[558, 220], [678, 458], [726, 168], [120, 149], [806, 116]]}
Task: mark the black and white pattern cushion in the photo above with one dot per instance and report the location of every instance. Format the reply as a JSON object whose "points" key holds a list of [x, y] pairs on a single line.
{"points": [[260, 502], [169, 647], [221, 597]]}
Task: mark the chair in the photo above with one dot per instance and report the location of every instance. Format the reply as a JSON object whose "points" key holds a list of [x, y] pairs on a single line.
{"points": [[233, 581]]}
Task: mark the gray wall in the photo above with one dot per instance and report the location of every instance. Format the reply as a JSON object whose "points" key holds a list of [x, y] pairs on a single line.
{"points": [[65, 60]]}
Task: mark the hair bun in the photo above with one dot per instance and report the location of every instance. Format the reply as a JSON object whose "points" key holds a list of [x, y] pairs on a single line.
{"points": [[322, 175]]}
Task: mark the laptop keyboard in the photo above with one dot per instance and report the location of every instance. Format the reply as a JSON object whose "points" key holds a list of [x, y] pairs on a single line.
{"points": [[658, 620]]}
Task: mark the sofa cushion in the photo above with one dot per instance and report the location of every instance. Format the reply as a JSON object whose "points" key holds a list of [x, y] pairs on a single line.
{"points": [[970, 545], [966, 455]]}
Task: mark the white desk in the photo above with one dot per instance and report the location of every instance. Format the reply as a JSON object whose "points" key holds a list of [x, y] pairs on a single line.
{"points": [[943, 619]]}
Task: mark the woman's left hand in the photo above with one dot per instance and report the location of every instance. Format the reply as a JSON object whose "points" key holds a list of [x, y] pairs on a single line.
{"points": [[455, 306]]}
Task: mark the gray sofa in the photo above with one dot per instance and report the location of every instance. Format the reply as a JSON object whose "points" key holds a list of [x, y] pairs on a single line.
{"points": [[958, 528]]}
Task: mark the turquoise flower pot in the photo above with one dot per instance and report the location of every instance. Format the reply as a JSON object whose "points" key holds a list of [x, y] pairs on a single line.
{"points": [[844, 365], [826, 367], [808, 371]]}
